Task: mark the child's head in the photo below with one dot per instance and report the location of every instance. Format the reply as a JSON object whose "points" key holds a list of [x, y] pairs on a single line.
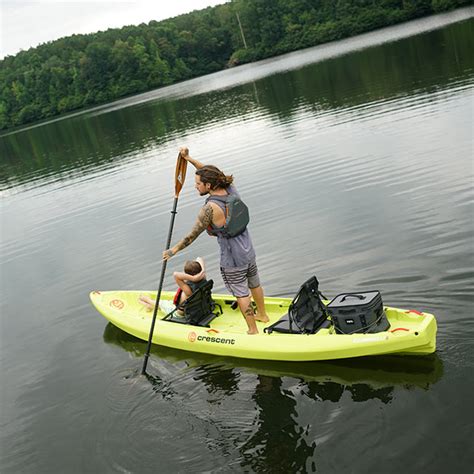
{"points": [[191, 267]]}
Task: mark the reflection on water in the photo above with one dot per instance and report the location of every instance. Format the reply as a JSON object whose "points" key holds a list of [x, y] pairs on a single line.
{"points": [[356, 168], [367, 375], [84, 142], [279, 444], [266, 397]]}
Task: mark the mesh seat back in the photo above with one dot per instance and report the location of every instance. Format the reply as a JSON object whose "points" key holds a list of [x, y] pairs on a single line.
{"points": [[199, 306], [306, 314], [307, 311]]}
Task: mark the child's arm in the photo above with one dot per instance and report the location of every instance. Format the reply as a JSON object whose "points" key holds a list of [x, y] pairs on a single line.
{"points": [[202, 273], [194, 278], [185, 276], [179, 278]]}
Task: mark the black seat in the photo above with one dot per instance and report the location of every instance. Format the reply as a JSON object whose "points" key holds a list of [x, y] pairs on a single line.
{"points": [[199, 308], [306, 314]]}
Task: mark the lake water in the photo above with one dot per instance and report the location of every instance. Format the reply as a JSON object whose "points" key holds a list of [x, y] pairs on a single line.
{"points": [[356, 160]]}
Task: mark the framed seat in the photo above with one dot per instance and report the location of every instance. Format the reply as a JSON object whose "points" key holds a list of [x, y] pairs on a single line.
{"points": [[199, 308], [306, 314]]}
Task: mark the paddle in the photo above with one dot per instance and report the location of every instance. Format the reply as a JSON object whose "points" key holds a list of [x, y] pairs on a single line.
{"points": [[180, 174]]}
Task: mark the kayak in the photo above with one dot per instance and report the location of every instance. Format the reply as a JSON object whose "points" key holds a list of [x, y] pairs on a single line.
{"points": [[410, 333]]}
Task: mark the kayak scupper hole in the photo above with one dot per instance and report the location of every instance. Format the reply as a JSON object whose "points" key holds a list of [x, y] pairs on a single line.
{"points": [[416, 333]]}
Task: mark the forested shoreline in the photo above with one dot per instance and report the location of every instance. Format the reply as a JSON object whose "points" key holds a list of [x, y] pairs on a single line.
{"points": [[85, 70]]}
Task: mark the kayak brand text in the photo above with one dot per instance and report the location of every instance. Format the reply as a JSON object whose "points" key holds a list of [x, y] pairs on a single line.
{"points": [[218, 340]]}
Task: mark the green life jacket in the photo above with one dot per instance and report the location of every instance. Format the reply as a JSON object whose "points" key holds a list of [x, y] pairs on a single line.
{"points": [[236, 216]]}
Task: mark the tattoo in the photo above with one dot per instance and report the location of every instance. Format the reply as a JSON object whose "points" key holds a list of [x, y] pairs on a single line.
{"points": [[249, 311], [204, 220]]}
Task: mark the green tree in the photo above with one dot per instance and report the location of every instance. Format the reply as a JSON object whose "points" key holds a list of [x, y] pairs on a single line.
{"points": [[83, 70]]}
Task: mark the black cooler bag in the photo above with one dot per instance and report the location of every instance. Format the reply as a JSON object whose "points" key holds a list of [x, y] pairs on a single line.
{"points": [[358, 313]]}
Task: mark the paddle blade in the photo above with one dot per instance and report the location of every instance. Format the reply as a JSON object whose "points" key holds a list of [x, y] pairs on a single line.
{"points": [[180, 175]]}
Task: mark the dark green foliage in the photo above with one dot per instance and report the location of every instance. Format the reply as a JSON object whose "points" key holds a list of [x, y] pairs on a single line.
{"points": [[85, 70]]}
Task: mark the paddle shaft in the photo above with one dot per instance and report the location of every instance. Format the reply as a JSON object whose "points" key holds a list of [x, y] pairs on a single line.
{"points": [[160, 287]]}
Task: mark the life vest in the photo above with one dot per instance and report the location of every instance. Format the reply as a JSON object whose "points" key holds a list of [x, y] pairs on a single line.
{"points": [[236, 216], [177, 296], [194, 286]]}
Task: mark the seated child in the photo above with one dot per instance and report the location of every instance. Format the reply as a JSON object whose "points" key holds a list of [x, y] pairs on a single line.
{"points": [[194, 275]]}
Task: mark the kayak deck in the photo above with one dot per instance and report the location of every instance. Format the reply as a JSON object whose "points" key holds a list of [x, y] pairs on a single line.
{"points": [[410, 332]]}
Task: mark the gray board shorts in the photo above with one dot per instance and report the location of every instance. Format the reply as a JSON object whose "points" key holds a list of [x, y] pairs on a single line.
{"points": [[238, 280]]}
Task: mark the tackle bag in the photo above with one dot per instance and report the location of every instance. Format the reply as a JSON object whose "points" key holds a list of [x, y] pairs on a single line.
{"points": [[358, 313]]}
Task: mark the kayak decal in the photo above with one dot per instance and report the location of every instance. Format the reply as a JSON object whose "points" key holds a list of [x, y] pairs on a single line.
{"points": [[192, 337], [118, 304], [218, 340], [400, 329]]}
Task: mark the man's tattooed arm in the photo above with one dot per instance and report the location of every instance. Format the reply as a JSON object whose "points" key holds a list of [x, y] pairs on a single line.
{"points": [[204, 220]]}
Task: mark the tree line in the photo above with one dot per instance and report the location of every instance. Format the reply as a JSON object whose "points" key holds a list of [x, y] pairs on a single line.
{"points": [[84, 70]]}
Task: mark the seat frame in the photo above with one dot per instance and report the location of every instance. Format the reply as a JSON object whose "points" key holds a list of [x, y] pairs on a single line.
{"points": [[307, 313], [199, 308]]}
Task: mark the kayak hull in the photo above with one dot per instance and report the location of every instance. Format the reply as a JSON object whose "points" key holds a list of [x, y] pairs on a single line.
{"points": [[410, 333]]}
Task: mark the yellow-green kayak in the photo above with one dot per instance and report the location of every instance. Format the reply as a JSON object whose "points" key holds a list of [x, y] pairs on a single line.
{"points": [[410, 332]]}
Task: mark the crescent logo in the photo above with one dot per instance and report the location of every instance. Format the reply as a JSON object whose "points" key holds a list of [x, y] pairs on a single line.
{"points": [[119, 304], [192, 336]]}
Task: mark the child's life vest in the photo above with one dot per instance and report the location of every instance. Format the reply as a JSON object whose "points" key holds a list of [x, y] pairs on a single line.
{"points": [[193, 285], [236, 216], [177, 296]]}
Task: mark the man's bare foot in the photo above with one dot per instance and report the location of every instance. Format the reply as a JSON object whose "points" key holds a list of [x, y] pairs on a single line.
{"points": [[252, 332], [263, 319]]}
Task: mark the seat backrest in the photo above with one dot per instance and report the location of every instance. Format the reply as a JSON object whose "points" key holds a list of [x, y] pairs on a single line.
{"points": [[199, 305], [307, 311]]}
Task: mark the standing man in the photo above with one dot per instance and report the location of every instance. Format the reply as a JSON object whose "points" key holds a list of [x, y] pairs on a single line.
{"points": [[238, 260]]}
